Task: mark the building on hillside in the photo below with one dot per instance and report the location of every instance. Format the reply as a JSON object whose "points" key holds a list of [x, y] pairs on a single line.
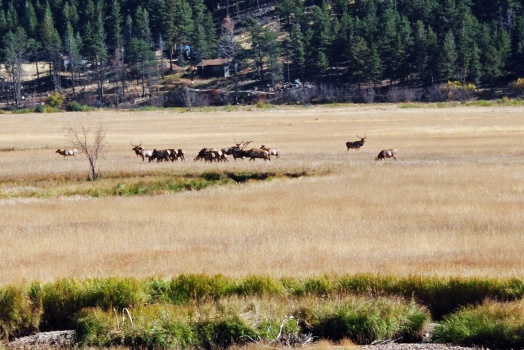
{"points": [[218, 67]]}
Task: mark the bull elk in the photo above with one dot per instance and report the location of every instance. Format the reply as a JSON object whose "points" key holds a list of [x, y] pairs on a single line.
{"points": [[67, 152], [387, 153], [272, 151], [356, 144], [141, 152]]}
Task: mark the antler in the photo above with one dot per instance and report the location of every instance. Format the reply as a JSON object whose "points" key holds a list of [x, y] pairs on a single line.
{"points": [[361, 137]]}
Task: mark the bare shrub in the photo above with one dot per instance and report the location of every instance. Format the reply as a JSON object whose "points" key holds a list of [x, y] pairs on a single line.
{"points": [[80, 140], [301, 96], [457, 91], [434, 94], [367, 95]]}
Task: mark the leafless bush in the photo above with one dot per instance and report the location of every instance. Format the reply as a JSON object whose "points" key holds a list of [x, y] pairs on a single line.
{"points": [[186, 98], [80, 140], [434, 94], [403, 94], [301, 96], [367, 95]]}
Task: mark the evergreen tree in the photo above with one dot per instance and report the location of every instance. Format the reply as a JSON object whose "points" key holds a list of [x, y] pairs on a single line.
{"points": [[30, 20], [297, 50], [12, 16], [448, 58], [169, 33], [15, 52], [373, 68], [142, 61], [115, 40], [142, 29], [184, 25], [359, 54], [94, 49], [72, 50]]}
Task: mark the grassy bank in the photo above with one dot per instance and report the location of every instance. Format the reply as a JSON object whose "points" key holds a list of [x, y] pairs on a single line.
{"points": [[208, 311], [131, 184]]}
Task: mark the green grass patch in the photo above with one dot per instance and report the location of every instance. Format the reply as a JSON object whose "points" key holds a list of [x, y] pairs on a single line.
{"points": [[218, 311], [412, 105], [492, 325], [130, 184]]}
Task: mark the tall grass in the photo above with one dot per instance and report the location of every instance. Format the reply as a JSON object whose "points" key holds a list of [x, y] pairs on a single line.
{"points": [[363, 308], [492, 324]]}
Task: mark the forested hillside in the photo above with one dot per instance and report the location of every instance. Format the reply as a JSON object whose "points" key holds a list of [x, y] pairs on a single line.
{"points": [[96, 49]]}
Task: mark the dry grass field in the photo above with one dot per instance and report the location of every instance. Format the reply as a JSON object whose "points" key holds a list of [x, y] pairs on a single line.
{"points": [[453, 203]]}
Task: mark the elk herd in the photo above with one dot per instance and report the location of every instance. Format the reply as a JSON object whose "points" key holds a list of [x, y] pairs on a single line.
{"points": [[239, 150]]}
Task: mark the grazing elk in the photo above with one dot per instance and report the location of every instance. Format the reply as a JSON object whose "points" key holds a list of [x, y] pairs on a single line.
{"points": [[387, 153], [356, 144], [272, 151], [67, 152], [160, 155], [141, 152]]}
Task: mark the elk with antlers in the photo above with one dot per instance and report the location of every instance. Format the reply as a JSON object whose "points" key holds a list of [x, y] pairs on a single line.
{"points": [[67, 152], [356, 144], [239, 151], [141, 152]]}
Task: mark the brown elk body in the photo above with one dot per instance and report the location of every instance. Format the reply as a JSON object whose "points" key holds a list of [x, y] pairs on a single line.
{"points": [[160, 155], [356, 144], [387, 153], [67, 152], [272, 151], [206, 154], [255, 153]]}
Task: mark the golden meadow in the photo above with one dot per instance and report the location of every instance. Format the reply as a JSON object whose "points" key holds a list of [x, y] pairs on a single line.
{"points": [[452, 205]]}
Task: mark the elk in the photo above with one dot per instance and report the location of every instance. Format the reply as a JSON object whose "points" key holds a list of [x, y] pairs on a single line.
{"points": [[174, 154], [356, 144], [206, 154], [238, 150], [67, 152], [141, 152], [272, 151], [255, 153], [181, 154], [160, 155], [387, 153]]}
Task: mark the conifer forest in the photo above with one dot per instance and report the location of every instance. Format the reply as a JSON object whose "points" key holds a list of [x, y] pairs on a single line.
{"points": [[268, 45]]}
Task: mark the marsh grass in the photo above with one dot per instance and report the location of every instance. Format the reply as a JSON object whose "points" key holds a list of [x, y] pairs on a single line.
{"points": [[492, 324], [208, 311], [268, 320]]}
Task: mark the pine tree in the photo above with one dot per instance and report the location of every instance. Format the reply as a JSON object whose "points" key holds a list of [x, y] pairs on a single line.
{"points": [[142, 61], [94, 50], [297, 49], [12, 16], [169, 33], [30, 20], [448, 58], [72, 50], [15, 52], [115, 40]]}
